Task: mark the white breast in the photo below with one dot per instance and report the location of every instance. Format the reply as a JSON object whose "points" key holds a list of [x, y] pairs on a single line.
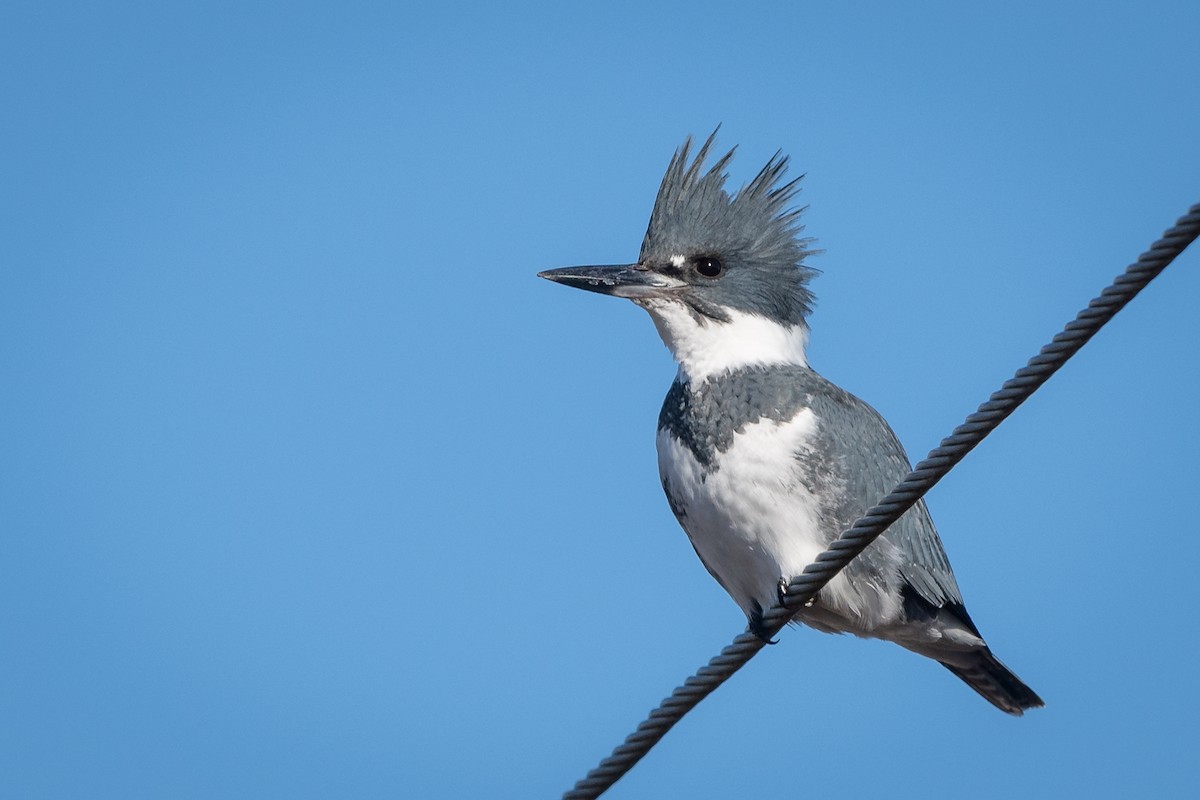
{"points": [[751, 520]]}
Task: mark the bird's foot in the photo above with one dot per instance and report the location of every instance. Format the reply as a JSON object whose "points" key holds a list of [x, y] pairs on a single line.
{"points": [[781, 592], [756, 626]]}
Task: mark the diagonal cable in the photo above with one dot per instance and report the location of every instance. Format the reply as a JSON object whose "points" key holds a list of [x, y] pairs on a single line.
{"points": [[867, 528]]}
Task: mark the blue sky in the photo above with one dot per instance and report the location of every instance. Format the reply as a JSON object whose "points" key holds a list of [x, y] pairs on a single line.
{"points": [[309, 488]]}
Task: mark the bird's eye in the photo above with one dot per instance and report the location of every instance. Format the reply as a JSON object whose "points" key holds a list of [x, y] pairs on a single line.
{"points": [[709, 267]]}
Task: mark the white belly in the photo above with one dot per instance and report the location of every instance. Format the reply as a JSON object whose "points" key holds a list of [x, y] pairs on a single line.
{"points": [[752, 520]]}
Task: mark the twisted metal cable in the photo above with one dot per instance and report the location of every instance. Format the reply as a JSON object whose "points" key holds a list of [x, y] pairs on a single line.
{"points": [[867, 528]]}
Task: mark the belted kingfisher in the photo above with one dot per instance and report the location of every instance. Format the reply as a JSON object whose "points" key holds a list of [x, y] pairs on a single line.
{"points": [[763, 461]]}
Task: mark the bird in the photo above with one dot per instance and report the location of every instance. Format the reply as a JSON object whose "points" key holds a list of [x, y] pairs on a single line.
{"points": [[763, 461]]}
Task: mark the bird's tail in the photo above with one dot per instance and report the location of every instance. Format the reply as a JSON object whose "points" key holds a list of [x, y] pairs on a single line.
{"points": [[984, 673]]}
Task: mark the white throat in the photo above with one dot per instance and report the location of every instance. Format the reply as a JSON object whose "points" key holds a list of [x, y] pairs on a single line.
{"points": [[705, 347]]}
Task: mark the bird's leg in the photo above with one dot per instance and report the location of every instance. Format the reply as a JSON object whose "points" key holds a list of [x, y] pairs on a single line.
{"points": [[782, 592], [755, 626]]}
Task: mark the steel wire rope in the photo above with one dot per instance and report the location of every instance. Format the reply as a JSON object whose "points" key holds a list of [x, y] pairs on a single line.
{"points": [[867, 528]]}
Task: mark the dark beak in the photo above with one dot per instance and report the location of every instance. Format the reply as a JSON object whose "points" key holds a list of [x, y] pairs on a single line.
{"points": [[632, 281]]}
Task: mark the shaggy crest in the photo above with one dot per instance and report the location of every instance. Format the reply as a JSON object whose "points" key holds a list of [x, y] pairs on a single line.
{"points": [[754, 232]]}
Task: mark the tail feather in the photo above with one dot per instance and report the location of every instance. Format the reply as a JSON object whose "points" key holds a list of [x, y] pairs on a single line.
{"points": [[984, 673]]}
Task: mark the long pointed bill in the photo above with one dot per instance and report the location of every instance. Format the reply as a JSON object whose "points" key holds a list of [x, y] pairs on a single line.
{"points": [[633, 281]]}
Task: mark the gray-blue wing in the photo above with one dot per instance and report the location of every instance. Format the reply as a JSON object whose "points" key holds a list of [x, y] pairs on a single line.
{"points": [[857, 460]]}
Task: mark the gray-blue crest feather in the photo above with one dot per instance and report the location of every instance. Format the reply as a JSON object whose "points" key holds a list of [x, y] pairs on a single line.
{"points": [[755, 232]]}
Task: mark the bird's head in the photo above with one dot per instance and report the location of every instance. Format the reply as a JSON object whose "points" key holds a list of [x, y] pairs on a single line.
{"points": [[717, 269]]}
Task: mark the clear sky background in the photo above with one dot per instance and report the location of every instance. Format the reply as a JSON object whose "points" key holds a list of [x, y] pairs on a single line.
{"points": [[309, 487]]}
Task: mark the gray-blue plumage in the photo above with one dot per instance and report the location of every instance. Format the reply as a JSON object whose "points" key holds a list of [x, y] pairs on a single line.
{"points": [[853, 456], [763, 461]]}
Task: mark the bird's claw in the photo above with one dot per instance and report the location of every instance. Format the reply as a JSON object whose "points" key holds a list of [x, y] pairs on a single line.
{"points": [[756, 626], [782, 592]]}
